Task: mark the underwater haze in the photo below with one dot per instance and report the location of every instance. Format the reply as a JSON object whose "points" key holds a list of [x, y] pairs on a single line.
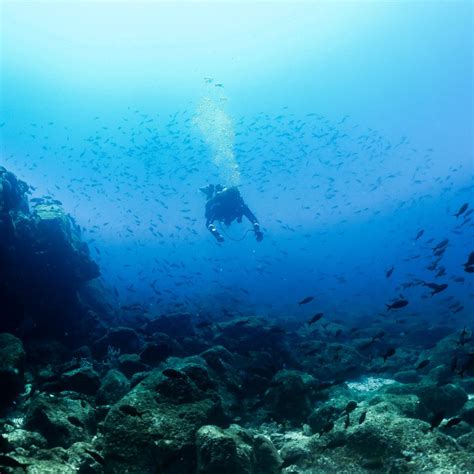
{"points": [[348, 127], [236, 237]]}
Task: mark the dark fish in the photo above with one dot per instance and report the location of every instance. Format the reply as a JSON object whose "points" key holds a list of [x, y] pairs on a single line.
{"points": [[462, 210], [315, 318], [131, 411], [96, 456], [441, 244], [420, 233], [203, 324], [306, 300], [453, 422], [423, 364], [439, 252], [396, 304], [351, 406], [470, 259], [389, 272], [436, 420], [362, 417], [435, 287], [327, 427], [441, 272], [389, 353], [75, 421], [347, 422]]}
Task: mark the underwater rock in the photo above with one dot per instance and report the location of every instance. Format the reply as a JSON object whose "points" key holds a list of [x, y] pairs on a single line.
{"points": [[268, 461], [250, 334], [57, 232], [387, 439], [467, 412], [81, 458], [44, 354], [448, 398], [407, 404], [83, 380], [12, 360], [323, 415], [113, 387], [467, 441], [289, 396], [200, 376], [220, 451], [152, 429], [130, 364], [407, 376], [295, 449], [162, 347], [235, 450], [341, 361], [218, 358], [194, 345], [19, 438], [85, 459], [12, 193], [61, 420], [43, 263], [385, 433]]}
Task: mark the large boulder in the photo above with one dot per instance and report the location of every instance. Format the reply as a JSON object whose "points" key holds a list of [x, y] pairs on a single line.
{"points": [[12, 359], [83, 380], [12, 193], [60, 419], [448, 398], [113, 387], [79, 458], [152, 429], [223, 451], [289, 397], [60, 237], [43, 264], [235, 451], [161, 347], [251, 334]]}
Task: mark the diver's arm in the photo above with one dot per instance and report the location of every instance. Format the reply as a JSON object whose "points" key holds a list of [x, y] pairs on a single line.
{"points": [[251, 217], [212, 229]]}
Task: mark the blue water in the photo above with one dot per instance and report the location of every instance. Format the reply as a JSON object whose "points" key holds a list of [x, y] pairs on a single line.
{"points": [[347, 126]]}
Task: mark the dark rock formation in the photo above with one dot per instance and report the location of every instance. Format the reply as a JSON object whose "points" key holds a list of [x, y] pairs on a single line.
{"points": [[43, 263], [12, 361]]}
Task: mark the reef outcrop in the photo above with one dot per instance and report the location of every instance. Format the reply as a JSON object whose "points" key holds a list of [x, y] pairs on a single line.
{"points": [[43, 263]]}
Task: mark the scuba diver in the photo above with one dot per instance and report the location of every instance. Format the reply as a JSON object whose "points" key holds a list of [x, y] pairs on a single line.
{"points": [[225, 205]]}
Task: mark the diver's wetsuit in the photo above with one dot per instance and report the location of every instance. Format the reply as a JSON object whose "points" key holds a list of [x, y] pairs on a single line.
{"points": [[225, 206]]}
